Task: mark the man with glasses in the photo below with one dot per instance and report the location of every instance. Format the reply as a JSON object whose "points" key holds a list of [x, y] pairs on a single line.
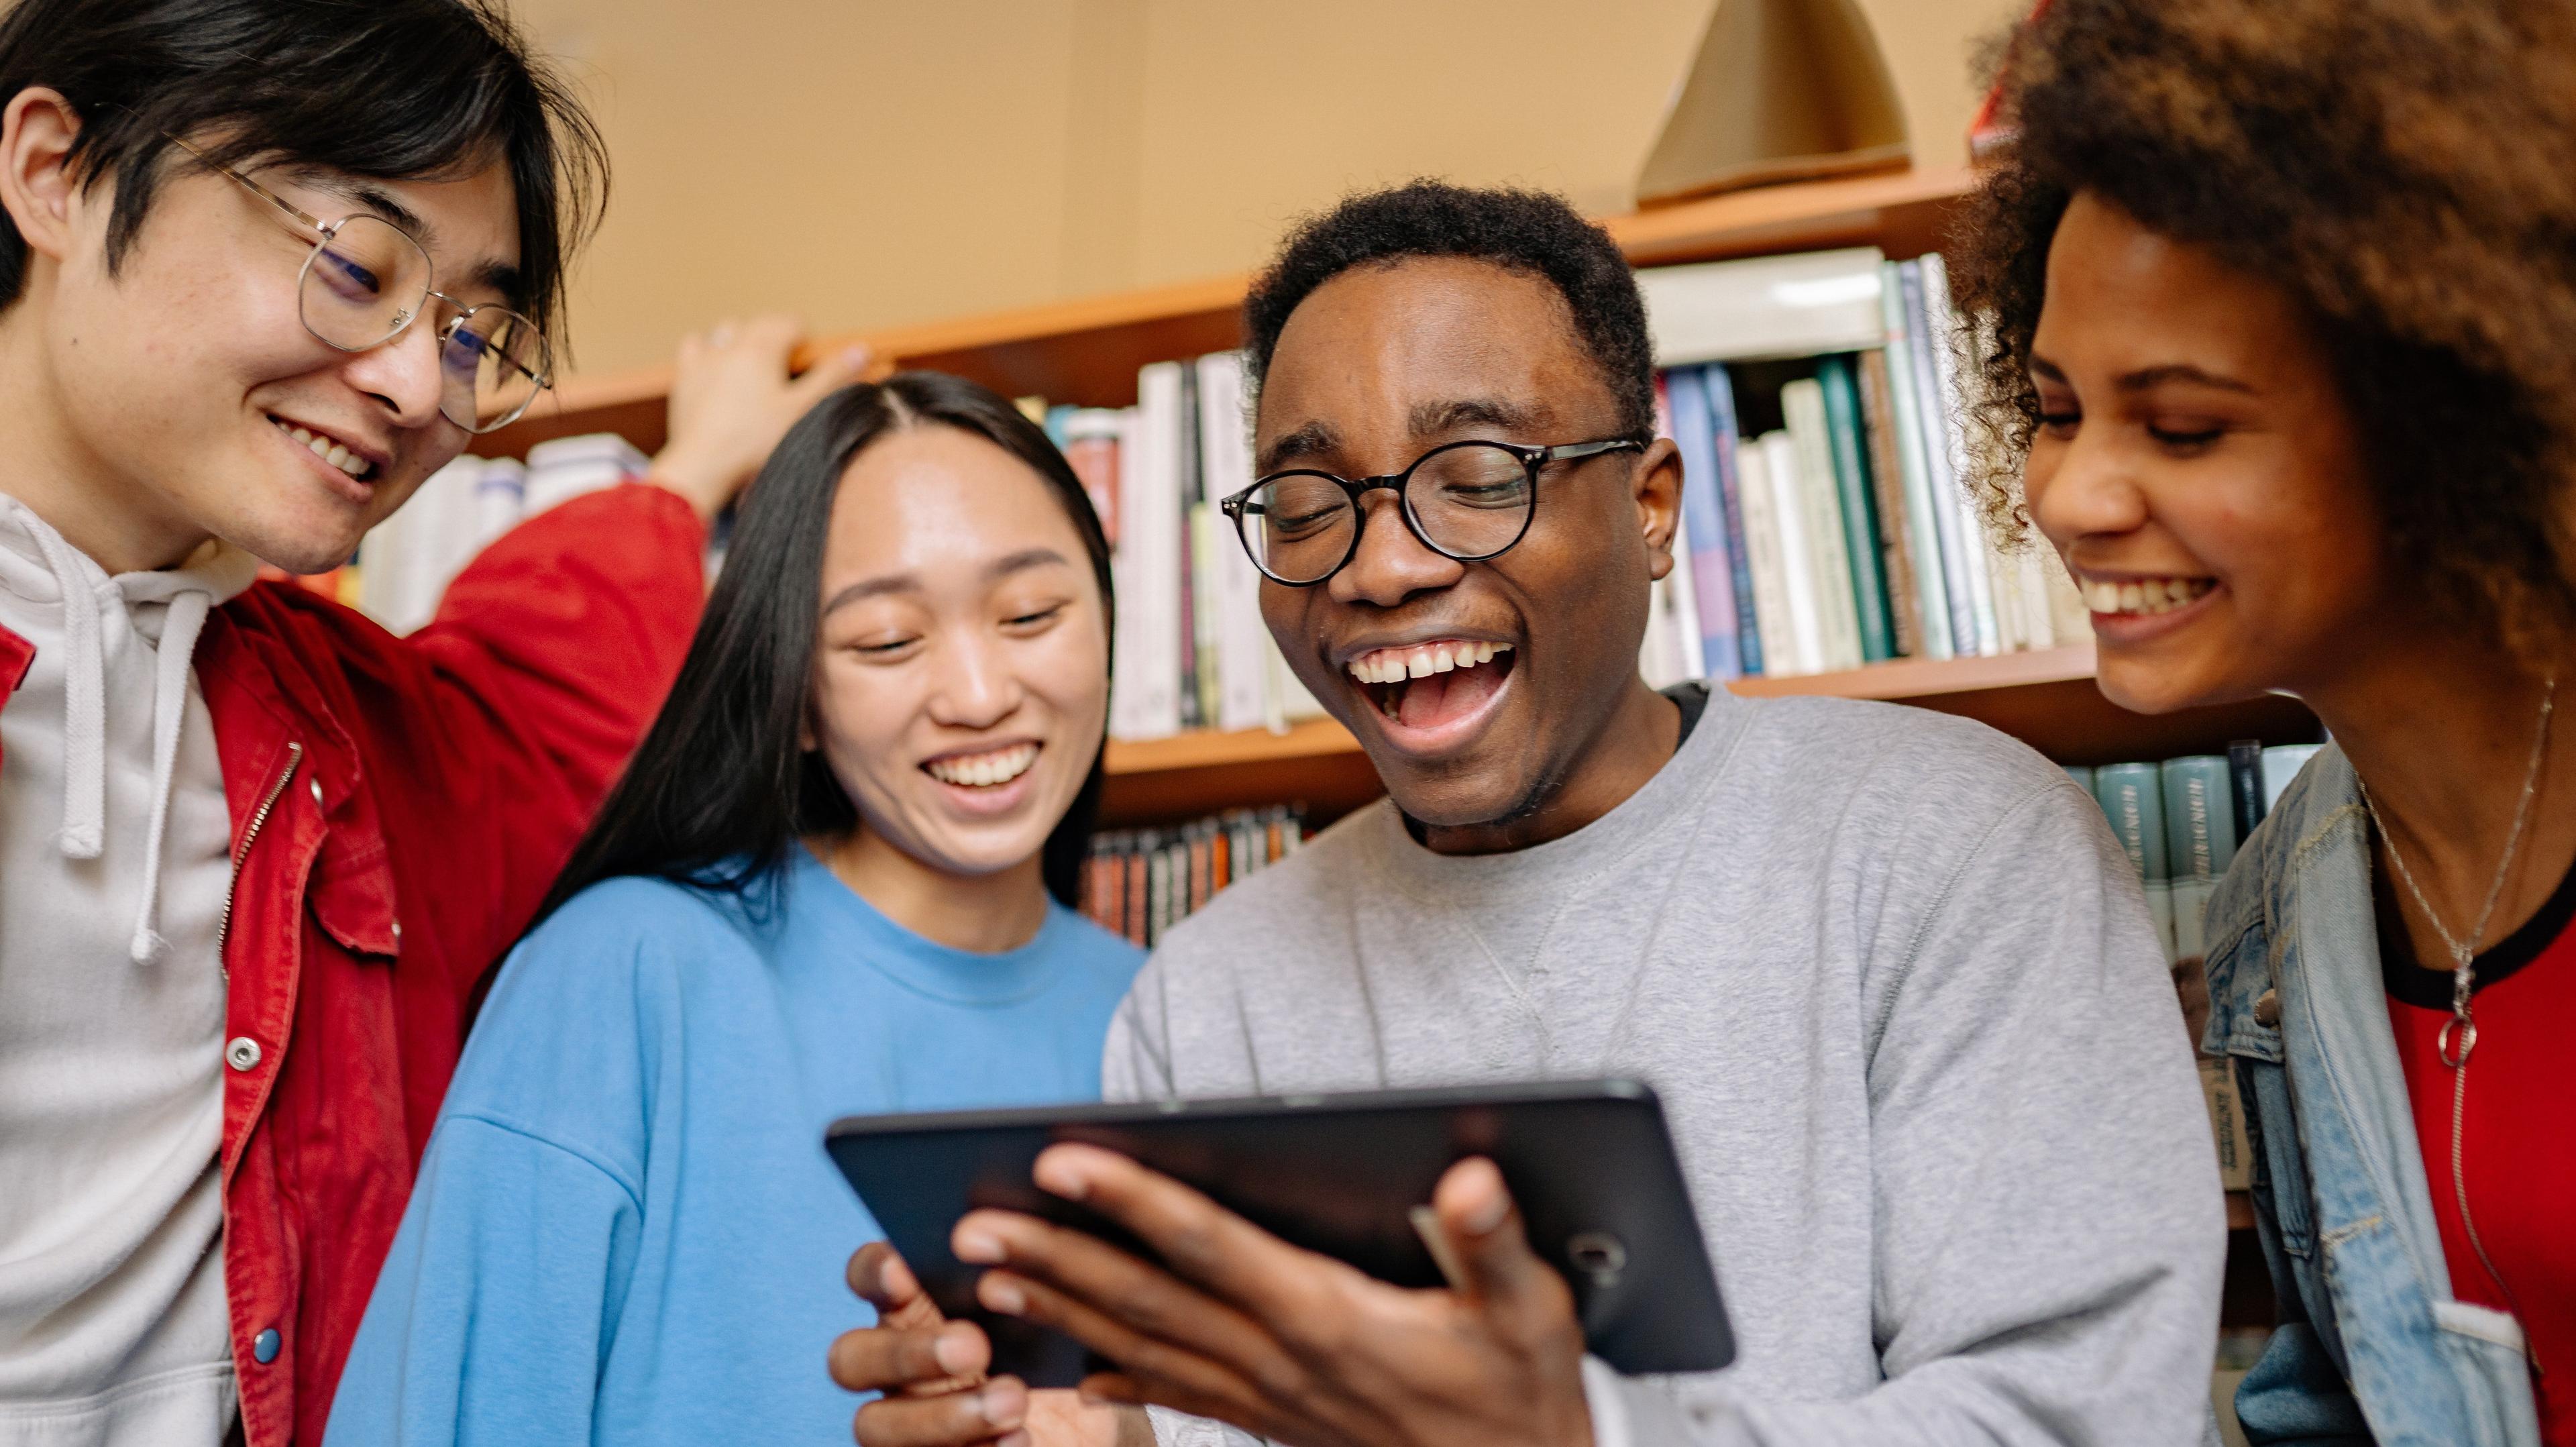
{"points": [[1895, 986], [266, 265]]}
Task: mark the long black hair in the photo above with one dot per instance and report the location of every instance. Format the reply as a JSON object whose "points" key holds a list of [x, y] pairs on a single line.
{"points": [[721, 788]]}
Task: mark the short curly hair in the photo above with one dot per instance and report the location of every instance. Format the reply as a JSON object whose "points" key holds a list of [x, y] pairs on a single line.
{"points": [[2405, 169], [1525, 231]]}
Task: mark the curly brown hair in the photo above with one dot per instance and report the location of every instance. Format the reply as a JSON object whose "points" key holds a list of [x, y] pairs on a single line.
{"points": [[2405, 169]]}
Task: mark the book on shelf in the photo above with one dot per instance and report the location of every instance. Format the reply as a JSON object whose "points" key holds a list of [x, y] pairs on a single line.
{"points": [[2177, 822], [2281, 764], [406, 562], [1140, 882], [1820, 416], [1192, 650]]}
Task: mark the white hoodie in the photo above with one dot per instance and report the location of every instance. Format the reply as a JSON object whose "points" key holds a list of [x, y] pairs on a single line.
{"points": [[114, 867]]}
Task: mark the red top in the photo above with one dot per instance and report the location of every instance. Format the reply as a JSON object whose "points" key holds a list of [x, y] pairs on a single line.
{"points": [[2518, 1130], [399, 807]]}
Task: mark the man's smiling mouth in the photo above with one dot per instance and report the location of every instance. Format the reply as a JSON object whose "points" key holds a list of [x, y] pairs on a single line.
{"points": [[1422, 685], [330, 449]]}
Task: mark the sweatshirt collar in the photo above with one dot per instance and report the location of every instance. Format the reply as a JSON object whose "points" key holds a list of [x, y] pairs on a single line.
{"points": [[213, 575], [1600, 845]]}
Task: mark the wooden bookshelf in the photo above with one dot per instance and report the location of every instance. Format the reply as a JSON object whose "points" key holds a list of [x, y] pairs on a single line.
{"points": [[2045, 698], [1086, 351]]}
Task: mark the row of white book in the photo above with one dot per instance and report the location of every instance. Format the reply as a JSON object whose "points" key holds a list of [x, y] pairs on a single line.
{"points": [[406, 562]]}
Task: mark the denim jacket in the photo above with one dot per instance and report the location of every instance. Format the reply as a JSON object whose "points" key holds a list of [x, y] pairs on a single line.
{"points": [[2371, 1346]]}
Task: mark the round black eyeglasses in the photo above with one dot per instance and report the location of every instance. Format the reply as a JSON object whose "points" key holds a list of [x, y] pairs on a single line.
{"points": [[1466, 500]]}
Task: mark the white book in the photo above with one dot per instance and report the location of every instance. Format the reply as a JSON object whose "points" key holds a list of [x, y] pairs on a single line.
{"points": [[1797, 554], [1940, 325], [1837, 606], [2003, 580], [1288, 701], [1659, 653], [406, 562], [2038, 627], [1762, 559], [1225, 462], [500, 499], [567, 467], [2068, 618], [1800, 305], [1686, 598], [1145, 692]]}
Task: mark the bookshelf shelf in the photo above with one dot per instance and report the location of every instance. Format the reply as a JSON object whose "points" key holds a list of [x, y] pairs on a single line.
{"points": [[2045, 698], [1086, 351]]}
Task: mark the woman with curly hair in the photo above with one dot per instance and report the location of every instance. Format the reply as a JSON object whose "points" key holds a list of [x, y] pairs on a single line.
{"points": [[2278, 335]]}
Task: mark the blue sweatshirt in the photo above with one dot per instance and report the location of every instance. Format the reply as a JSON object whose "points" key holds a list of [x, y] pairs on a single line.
{"points": [[625, 1228]]}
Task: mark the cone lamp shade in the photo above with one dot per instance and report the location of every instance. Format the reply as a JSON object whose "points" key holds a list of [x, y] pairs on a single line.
{"points": [[1781, 90]]}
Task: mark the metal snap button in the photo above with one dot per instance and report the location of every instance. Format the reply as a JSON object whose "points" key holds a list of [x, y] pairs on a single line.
{"points": [[314, 782], [263, 1347], [242, 1053]]}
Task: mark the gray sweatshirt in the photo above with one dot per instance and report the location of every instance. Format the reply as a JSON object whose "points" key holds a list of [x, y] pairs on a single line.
{"points": [[1914, 1037]]}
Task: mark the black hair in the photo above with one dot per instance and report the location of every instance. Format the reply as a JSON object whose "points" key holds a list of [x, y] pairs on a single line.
{"points": [[386, 89], [1525, 231], [722, 788]]}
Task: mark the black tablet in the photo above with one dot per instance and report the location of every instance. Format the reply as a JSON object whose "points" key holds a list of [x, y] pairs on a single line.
{"points": [[1589, 1163]]}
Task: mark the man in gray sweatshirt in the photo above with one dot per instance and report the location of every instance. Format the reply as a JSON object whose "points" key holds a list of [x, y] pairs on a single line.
{"points": [[1893, 980]]}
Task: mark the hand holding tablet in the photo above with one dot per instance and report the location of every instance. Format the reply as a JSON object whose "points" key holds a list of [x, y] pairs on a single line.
{"points": [[1267, 1269]]}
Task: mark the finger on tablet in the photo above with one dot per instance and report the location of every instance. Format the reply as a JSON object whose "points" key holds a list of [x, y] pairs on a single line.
{"points": [[922, 1361], [994, 1412]]}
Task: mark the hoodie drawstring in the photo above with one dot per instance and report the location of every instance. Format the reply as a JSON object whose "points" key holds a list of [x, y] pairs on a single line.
{"points": [[84, 701], [179, 629]]}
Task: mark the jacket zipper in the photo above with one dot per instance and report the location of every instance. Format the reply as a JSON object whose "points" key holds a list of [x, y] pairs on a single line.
{"points": [[258, 818]]}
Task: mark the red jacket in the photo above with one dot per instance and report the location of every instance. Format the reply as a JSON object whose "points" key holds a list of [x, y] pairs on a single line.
{"points": [[399, 807]]}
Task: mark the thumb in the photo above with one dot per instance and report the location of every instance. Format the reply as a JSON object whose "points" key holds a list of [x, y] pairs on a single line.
{"points": [[830, 373], [1484, 1228], [882, 1280]]}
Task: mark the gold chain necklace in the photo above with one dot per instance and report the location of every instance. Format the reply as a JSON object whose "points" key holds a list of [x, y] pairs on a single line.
{"points": [[2459, 1037]]}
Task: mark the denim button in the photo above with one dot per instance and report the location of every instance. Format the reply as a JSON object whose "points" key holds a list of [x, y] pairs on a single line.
{"points": [[263, 1347]]}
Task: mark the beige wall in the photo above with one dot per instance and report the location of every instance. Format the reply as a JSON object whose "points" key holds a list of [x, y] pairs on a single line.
{"points": [[864, 162]]}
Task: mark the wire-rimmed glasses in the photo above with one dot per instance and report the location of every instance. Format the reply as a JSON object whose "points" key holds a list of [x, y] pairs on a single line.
{"points": [[367, 280], [1465, 500]]}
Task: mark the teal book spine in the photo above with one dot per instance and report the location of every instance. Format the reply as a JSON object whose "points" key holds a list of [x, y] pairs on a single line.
{"points": [[2281, 764], [2200, 841], [2082, 774], [1860, 511], [2132, 797]]}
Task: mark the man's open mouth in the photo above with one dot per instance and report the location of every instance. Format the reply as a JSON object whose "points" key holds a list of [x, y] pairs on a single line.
{"points": [[1424, 685]]}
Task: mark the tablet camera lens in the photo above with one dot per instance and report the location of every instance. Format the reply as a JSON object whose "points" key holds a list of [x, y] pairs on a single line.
{"points": [[1598, 1255]]}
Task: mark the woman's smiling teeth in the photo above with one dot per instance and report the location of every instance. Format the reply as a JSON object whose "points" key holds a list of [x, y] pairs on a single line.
{"points": [[985, 770], [2143, 596], [1394, 665], [330, 449]]}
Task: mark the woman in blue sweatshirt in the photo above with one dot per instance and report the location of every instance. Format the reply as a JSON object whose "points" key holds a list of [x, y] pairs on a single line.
{"points": [[838, 869]]}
